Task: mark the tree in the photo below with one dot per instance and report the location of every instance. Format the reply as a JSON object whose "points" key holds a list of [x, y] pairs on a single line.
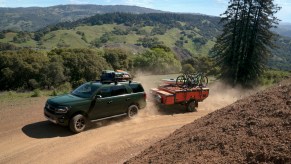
{"points": [[81, 64], [54, 72], [243, 47], [118, 58], [203, 64], [158, 61], [21, 69], [187, 68]]}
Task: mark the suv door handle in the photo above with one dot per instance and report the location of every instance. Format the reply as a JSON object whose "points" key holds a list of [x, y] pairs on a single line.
{"points": [[109, 102], [127, 99]]}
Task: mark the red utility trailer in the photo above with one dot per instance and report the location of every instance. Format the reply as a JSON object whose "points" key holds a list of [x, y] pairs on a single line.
{"points": [[172, 94]]}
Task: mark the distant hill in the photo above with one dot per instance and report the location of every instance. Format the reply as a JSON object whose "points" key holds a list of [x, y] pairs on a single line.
{"points": [[34, 18], [284, 29]]}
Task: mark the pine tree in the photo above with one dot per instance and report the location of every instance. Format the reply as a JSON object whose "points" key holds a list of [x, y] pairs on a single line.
{"points": [[244, 46]]}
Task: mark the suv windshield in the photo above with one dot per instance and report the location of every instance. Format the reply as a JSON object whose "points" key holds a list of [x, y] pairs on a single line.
{"points": [[86, 90]]}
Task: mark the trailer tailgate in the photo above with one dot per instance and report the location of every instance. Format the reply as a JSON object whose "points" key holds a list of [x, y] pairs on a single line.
{"points": [[163, 96]]}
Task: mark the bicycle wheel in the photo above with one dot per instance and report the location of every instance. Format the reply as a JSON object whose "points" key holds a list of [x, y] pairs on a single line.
{"points": [[203, 81], [195, 80], [180, 81]]}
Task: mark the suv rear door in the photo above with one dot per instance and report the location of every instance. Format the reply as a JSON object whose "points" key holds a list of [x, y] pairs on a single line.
{"points": [[119, 99], [138, 95]]}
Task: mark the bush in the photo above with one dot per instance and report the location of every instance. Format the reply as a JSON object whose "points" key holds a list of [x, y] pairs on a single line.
{"points": [[273, 76], [36, 93], [33, 84], [54, 93], [187, 68], [64, 88]]}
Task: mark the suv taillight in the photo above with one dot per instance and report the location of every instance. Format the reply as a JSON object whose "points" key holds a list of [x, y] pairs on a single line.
{"points": [[145, 96]]}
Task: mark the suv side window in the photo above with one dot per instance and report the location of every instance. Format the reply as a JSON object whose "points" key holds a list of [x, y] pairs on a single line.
{"points": [[118, 90], [104, 92], [136, 88]]}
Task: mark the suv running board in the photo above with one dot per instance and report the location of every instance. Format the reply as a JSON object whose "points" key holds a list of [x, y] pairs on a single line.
{"points": [[109, 117]]}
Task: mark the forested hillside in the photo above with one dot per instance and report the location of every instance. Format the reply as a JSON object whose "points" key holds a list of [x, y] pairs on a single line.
{"points": [[187, 35], [34, 18]]}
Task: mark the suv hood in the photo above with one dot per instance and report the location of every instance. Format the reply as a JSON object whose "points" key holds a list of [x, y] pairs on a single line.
{"points": [[67, 99]]}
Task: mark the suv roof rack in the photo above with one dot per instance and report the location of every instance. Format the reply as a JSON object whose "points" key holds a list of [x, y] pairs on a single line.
{"points": [[109, 76]]}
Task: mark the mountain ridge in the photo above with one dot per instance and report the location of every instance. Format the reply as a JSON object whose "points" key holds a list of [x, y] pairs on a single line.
{"points": [[34, 18]]}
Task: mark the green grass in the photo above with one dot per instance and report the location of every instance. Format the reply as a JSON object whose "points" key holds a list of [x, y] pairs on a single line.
{"points": [[7, 95], [191, 47], [127, 39], [9, 39], [270, 77], [148, 29], [170, 37], [93, 32], [67, 37], [205, 49]]}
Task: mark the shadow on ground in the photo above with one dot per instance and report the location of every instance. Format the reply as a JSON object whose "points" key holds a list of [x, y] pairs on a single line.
{"points": [[171, 109], [45, 129]]}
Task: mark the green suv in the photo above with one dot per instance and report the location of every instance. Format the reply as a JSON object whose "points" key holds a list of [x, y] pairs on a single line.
{"points": [[95, 101]]}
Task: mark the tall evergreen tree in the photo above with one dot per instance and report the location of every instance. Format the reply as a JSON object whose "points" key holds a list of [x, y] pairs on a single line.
{"points": [[245, 43]]}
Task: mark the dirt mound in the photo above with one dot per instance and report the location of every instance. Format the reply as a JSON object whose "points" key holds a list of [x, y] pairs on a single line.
{"points": [[256, 129]]}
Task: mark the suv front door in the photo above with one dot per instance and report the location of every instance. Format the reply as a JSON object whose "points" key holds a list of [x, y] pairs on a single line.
{"points": [[112, 102], [103, 106]]}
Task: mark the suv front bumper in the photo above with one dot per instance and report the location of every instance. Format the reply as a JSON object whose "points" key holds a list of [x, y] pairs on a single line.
{"points": [[61, 119]]}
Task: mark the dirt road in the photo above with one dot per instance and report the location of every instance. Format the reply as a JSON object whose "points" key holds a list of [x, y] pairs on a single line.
{"points": [[27, 137]]}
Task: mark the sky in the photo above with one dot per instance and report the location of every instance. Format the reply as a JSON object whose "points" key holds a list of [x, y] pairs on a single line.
{"points": [[209, 7]]}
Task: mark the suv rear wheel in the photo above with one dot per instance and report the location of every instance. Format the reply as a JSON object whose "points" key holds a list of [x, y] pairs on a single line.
{"points": [[132, 111], [78, 123]]}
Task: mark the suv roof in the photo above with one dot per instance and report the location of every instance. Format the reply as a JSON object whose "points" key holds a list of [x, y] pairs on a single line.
{"points": [[99, 83]]}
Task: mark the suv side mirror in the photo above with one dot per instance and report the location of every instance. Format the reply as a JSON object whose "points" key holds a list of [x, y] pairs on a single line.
{"points": [[98, 96]]}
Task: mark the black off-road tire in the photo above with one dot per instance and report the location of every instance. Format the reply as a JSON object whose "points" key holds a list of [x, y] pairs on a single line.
{"points": [[191, 106], [78, 123], [132, 111]]}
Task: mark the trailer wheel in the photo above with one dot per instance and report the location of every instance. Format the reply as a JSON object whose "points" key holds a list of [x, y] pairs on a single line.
{"points": [[191, 106]]}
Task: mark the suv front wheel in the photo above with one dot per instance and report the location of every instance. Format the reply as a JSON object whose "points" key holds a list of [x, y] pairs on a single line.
{"points": [[132, 111], [78, 123]]}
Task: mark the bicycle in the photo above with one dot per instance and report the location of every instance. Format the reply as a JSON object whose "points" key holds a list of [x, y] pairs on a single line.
{"points": [[192, 80]]}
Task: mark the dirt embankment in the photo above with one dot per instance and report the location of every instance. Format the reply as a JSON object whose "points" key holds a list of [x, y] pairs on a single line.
{"points": [[256, 129]]}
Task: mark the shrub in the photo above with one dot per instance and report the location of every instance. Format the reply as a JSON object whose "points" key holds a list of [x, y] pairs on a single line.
{"points": [[54, 93], [36, 93], [64, 88]]}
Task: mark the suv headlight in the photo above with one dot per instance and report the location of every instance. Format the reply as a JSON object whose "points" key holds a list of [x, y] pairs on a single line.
{"points": [[62, 109]]}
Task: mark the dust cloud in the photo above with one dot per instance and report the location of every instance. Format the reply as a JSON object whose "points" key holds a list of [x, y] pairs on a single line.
{"points": [[221, 95]]}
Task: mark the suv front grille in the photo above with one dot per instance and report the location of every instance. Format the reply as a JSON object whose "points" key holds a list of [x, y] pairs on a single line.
{"points": [[50, 108]]}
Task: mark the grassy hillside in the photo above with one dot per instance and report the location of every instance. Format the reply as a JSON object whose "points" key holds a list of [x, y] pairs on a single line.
{"points": [[185, 34], [70, 39]]}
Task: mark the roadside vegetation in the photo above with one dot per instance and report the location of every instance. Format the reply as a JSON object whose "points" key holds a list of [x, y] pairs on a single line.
{"points": [[28, 69]]}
